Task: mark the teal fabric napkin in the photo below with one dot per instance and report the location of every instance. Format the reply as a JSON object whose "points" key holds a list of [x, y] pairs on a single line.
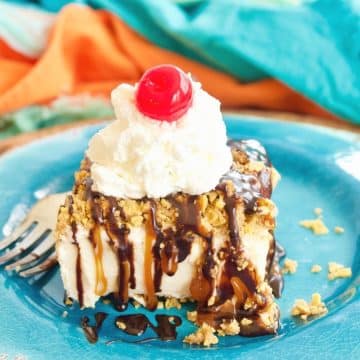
{"points": [[312, 46]]}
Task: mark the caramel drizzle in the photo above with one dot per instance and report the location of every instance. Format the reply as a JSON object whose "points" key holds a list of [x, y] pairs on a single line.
{"points": [[95, 238], [79, 284], [176, 246], [118, 236]]}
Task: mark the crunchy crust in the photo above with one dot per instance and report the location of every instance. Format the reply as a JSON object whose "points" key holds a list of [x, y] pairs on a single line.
{"points": [[212, 205]]}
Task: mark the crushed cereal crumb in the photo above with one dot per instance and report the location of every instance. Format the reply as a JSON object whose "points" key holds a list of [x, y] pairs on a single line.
{"points": [[121, 325], [246, 321], [64, 314], [68, 301], [172, 303], [211, 301], [204, 335], [160, 305], [338, 271], [192, 316], [290, 266], [229, 328], [303, 309], [339, 230], [316, 268], [318, 211], [317, 226]]}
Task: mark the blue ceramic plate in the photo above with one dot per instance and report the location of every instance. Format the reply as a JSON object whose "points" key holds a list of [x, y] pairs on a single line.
{"points": [[319, 167]]}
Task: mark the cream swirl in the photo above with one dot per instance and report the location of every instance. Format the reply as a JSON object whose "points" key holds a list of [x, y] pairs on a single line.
{"points": [[136, 156]]}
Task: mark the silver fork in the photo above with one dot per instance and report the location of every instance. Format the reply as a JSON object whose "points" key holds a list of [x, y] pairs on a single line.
{"points": [[34, 250]]}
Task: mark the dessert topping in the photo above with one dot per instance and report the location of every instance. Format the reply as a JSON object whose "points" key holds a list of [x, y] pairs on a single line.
{"points": [[164, 93], [138, 156]]}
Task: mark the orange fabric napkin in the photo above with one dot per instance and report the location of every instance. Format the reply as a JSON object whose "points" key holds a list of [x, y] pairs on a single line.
{"points": [[93, 51]]}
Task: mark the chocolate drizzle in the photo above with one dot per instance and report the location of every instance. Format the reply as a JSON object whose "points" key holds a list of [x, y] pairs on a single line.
{"points": [[231, 210], [136, 324], [157, 251], [252, 148], [273, 271]]}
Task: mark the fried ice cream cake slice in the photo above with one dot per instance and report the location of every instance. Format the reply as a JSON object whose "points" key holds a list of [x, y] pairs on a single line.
{"points": [[217, 248]]}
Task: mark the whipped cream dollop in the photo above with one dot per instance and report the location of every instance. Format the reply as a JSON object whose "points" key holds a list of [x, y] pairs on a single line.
{"points": [[136, 156]]}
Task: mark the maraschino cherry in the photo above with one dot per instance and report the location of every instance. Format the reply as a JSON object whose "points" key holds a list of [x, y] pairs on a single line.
{"points": [[164, 93]]}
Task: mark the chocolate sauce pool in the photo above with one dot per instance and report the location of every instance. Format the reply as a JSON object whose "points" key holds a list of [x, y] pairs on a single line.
{"points": [[133, 324], [136, 324], [91, 331]]}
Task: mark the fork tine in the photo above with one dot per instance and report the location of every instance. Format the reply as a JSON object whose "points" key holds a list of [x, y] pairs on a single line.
{"points": [[18, 232], [35, 254], [24, 245], [45, 265]]}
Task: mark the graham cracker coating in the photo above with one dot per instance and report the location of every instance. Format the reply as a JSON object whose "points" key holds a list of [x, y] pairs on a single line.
{"points": [[213, 218]]}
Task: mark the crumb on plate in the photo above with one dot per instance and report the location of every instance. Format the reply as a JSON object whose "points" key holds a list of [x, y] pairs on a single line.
{"points": [[229, 328], [317, 226], [303, 309], [204, 335], [338, 271], [316, 268], [339, 230], [290, 266]]}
